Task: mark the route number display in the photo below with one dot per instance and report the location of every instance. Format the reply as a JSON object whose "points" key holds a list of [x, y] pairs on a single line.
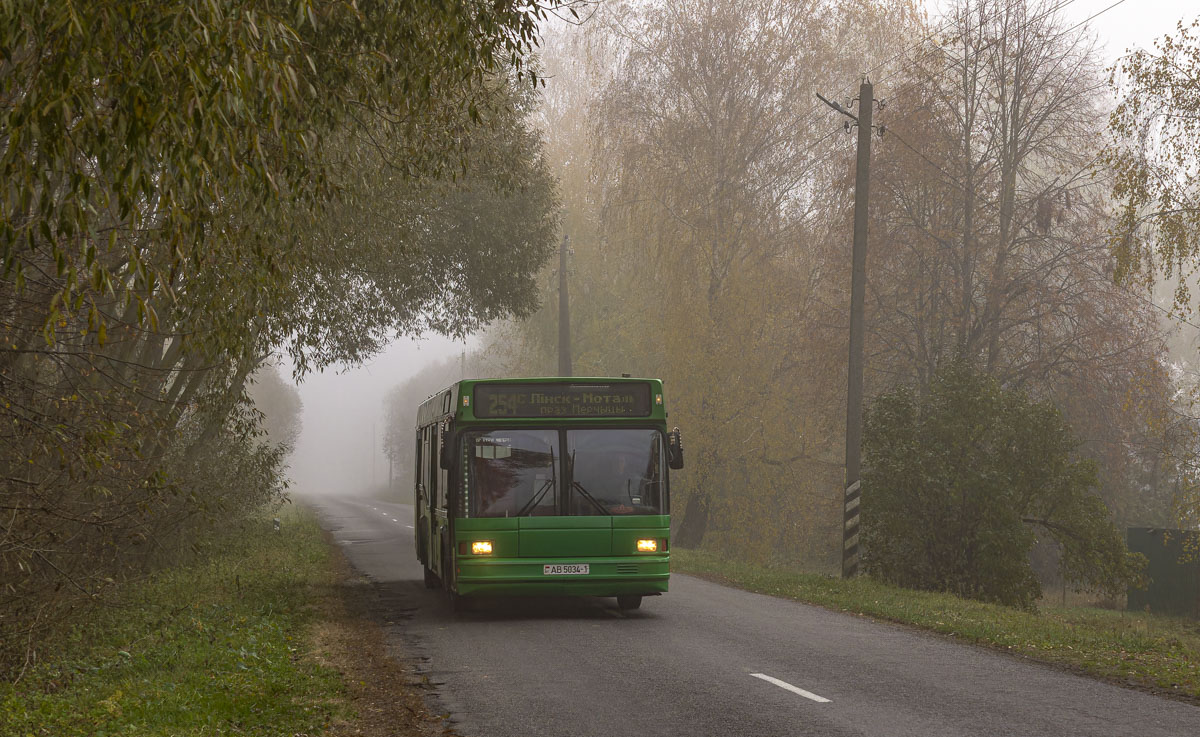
{"points": [[562, 400]]}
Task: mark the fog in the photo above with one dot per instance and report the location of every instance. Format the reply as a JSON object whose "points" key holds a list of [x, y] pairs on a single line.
{"points": [[339, 449]]}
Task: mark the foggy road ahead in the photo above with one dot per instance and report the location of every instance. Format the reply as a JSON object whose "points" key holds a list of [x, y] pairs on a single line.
{"points": [[710, 660]]}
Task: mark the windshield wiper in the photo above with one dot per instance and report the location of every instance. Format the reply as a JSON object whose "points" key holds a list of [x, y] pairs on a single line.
{"points": [[549, 484], [579, 487], [533, 502], [584, 493]]}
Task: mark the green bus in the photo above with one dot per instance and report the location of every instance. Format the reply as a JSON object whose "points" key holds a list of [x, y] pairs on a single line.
{"points": [[552, 486]]}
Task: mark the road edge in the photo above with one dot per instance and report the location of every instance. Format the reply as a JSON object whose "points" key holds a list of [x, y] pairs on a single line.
{"points": [[385, 694]]}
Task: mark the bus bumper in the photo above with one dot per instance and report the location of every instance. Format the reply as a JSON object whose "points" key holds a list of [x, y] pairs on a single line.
{"points": [[613, 576]]}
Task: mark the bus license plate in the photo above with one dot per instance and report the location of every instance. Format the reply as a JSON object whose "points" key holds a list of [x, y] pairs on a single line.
{"points": [[566, 569]]}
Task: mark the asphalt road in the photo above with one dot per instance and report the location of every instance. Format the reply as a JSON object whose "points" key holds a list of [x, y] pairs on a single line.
{"points": [[709, 660]]}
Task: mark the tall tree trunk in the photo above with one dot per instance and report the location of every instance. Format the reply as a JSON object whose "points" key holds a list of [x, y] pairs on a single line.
{"points": [[695, 521]]}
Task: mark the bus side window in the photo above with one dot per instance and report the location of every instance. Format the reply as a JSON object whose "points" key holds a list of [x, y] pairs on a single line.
{"points": [[422, 472], [432, 466], [443, 476], [417, 456]]}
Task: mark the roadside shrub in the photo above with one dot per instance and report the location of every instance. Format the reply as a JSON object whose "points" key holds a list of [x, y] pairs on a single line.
{"points": [[961, 480]]}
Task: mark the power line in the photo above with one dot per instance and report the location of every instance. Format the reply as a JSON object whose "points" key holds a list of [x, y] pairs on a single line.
{"points": [[955, 61], [953, 180], [945, 24], [942, 27], [992, 203], [1093, 16], [950, 21]]}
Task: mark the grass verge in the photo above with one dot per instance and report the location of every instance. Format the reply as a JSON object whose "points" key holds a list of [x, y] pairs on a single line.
{"points": [[216, 647], [1146, 651]]}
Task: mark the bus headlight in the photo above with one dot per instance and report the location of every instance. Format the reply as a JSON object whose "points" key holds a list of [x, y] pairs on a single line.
{"points": [[481, 547], [647, 546]]}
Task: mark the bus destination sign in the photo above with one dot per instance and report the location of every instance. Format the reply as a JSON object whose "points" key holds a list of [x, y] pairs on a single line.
{"points": [[562, 400]]}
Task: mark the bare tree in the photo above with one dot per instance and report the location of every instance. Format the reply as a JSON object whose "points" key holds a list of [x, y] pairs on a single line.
{"points": [[990, 223]]}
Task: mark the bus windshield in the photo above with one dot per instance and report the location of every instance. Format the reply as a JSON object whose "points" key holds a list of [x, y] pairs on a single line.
{"points": [[513, 473], [614, 471], [605, 471]]}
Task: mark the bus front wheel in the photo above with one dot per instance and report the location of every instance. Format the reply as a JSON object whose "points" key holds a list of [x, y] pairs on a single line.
{"points": [[431, 579], [629, 601]]}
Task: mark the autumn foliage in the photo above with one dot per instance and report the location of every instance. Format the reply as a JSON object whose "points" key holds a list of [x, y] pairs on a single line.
{"points": [[709, 198], [189, 188]]}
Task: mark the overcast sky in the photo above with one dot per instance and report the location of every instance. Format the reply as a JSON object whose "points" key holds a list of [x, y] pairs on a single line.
{"points": [[1119, 24], [1132, 23], [338, 450]]}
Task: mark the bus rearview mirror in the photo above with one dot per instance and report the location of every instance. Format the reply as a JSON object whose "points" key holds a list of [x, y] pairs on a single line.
{"points": [[674, 449]]}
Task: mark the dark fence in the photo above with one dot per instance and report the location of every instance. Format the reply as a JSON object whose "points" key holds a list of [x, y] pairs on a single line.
{"points": [[1174, 571]]}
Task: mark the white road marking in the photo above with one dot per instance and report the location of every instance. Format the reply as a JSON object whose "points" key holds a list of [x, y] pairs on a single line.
{"points": [[789, 687], [409, 526]]}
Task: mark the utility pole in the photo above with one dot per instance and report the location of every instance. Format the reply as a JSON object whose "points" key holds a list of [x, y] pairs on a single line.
{"points": [[858, 288], [564, 314]]}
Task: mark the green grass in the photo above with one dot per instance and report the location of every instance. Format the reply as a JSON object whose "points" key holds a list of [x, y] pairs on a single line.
{"points": [[1143, 650], [216, 647]]}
